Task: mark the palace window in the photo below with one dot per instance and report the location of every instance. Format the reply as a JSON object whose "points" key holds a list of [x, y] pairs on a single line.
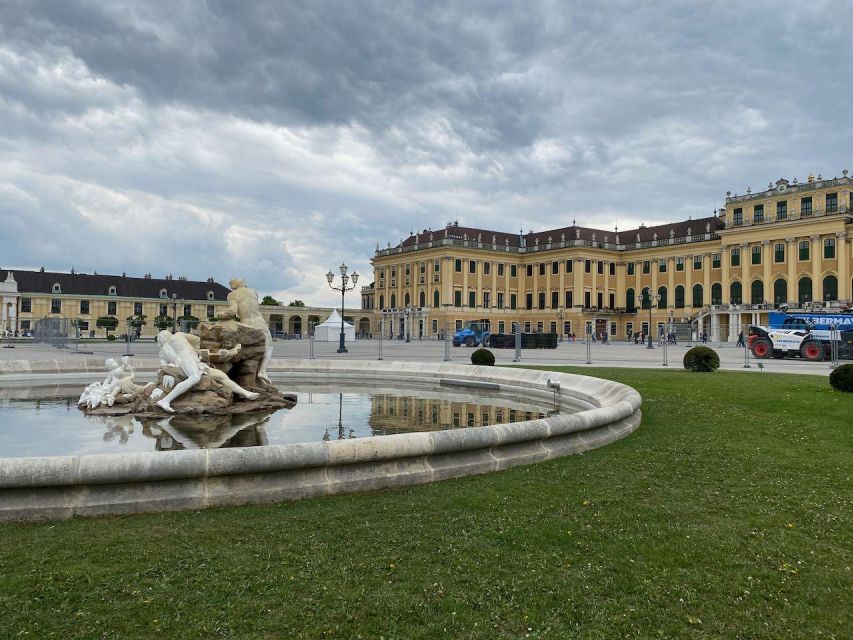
{"points": [[612, 268], [679, 264], [528, 301], [137, 308], [541, 268], [555, 299], [501, 268], [436, 266], [829, 248], [111, 308], [487, 299], [737, 216], [500, 300], [735, 256], [457, 266], [56, 288], [555, 268], [782, 210], [188, 309], [612, 299], [758, 213], [513, 301], [164, 293], [779, 252], [530, 271], [587, 266], [715, 261], [457, 298], [472, 299], [164, 310], [408, 269], [513, 271], [569, 265], [599, 299], [541, 299], [697, 263], [569, 301], [587, 299], [84, 307], [472, 266], [210, 311], [806, 206], [831, 202], [487, 268], [600, 268], [661, 266], [210, 295], [804, 250], [630, 268], [56, 305], [756, 254], [647, 266], [423, 266], [26, 305]]}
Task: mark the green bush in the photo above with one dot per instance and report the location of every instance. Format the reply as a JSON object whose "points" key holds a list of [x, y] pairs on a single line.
{"points": [[483, 357], [701, 359], [841, 377], [110, 337]]}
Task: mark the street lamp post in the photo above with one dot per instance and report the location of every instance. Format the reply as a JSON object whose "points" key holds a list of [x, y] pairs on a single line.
{"points": [[408, 314], [330, 277], [174, 312], [651, 297], [560, 324]]}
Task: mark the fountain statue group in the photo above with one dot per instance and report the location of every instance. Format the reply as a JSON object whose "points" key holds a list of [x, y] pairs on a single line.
{"points": [[221, 370]]}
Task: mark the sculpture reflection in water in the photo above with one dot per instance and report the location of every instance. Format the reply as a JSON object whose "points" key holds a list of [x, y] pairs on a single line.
{"points": [[191, 432]]}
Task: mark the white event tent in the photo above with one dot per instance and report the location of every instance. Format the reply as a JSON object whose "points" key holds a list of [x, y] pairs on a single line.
{"points": [[330, 330]]}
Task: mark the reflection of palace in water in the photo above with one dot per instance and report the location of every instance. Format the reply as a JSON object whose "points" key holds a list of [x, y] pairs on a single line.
{"points": [[399, 414]]}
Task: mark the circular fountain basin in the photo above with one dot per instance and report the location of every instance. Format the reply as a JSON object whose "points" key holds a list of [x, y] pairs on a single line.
{"points": [[583, 414]]}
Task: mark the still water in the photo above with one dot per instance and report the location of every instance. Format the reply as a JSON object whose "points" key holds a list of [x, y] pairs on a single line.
{"points": [[45, 421]]}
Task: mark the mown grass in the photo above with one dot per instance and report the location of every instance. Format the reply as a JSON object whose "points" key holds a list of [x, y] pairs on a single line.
{"points": [[727, 515]]}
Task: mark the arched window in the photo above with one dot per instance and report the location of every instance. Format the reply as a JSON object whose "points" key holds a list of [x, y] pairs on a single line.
{"points": [[647, 300], [407, 300], [393, 300], [716, 293], [736, 293], [630, 300], [780, 292], [804, 290], [830, 288], [697, 295], [164, 294], [662, 301], [435, 298], [756, 294], [111, 291], [210, 295], [422, 299], [679, 297], [381, 302]]}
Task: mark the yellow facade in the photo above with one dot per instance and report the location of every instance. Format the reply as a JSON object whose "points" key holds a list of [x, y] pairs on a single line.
{"points": [[729, 269]]}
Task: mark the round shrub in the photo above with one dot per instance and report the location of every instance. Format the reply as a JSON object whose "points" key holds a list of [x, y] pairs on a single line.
{"points": [[701, 359], [841, 377], [483, 357], [110, 337]]}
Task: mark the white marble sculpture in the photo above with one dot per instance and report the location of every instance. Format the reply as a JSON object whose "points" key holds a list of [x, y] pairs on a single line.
{"points": [[243, 306], [118, 384], [180, 350]]}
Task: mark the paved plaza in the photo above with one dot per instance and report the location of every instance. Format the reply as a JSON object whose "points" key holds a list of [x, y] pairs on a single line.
{"points": [[614, 354]]}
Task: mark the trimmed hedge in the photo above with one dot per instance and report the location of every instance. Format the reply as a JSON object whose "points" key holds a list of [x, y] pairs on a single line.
{"points": [[483, 357], [701, 359], [841, 378]]}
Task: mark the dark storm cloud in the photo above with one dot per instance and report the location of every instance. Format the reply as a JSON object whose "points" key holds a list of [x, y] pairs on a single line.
{"points": [[262, 128]]}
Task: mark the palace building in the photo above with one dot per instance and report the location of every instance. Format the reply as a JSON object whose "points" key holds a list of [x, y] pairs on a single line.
{"points": [[30, 296], [787, 245]]}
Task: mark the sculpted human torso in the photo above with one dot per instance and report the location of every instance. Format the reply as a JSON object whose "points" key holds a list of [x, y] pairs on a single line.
{"points": [[243, 306]]}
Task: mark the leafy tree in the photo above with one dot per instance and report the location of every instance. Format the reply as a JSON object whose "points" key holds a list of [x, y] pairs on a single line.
{"points": [[163, 322], [296, 303], [137, 321], [269, 300], [108, 323]]}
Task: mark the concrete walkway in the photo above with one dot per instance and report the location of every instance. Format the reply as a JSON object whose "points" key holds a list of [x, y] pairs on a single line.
{"points": [[616, 354]]}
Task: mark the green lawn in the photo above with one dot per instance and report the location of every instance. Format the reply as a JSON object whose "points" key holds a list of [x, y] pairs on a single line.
{"points": [[726, 515]]}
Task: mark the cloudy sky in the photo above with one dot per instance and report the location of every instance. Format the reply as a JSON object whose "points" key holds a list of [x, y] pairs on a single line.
{"points": [[275, 139]]}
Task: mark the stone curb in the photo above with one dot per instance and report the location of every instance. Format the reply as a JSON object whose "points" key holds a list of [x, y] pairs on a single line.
{"points": [[66, 486]]}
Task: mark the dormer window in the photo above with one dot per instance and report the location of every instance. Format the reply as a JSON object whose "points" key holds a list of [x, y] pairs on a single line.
{"points": [[111, 291], [210, 295], [163, 294], [57, 288]]}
